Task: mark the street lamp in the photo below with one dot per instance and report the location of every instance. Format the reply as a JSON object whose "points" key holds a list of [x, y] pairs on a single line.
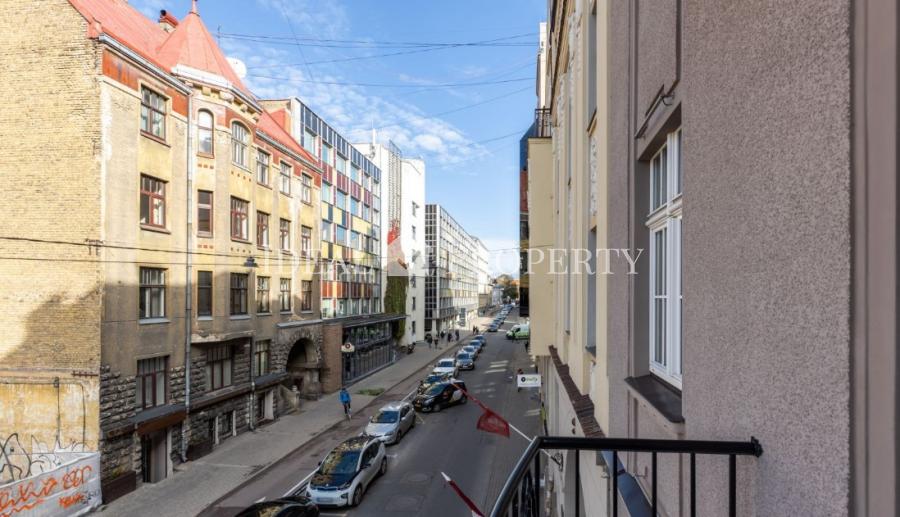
{"points": [[250, 262]]}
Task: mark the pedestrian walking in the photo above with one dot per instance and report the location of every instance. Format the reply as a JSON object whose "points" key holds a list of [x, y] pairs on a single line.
{"points": [[449, 337], [442, 333], [345, 401], [457, 334], [518, 373]]}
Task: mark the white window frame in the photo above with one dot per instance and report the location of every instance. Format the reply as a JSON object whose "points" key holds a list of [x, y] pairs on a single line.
{"points": [[667, 217]]}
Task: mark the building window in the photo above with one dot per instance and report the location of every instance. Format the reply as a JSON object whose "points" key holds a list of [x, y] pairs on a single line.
{"points": [[306, 295], [239, 293], [262, 229], [665, 229], [261, 358], [240, 140], [239, 219], [153, 113], [262, 294], [306, 189], [284, 234], [205, 128], [285, 297], [219, 367], [153, 202], [340, 200], [204, 213], [354, 173], [309, 142], [326, 231], [340, 235], [327, 194], [327, 155], [204, 293], [354, 206], [262, 167], [151, 382], [286, 178], [153, 293], [306, 241], [591, 72]]}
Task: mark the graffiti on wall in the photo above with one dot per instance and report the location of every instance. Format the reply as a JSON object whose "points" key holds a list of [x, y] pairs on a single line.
{"points": [[19, 462], [72, 487]]}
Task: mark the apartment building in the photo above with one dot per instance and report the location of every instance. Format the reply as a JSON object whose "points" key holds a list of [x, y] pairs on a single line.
{"points": [[452, 284], [180, 268], [745, 366], [350, 268], [402, 235]]}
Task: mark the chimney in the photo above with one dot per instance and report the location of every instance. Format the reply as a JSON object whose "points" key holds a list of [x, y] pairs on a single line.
{"points": [[167, 22]]}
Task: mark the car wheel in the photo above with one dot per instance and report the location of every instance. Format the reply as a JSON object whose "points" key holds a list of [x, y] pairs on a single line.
{"points": [[413, 422], [464, 399], [383, 470], [399, 437], [357, 496], [437, 407]]}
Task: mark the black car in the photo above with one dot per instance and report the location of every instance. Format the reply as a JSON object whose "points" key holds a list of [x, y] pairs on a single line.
{"points": [[440, 395], [493, 327], [291, 506]]}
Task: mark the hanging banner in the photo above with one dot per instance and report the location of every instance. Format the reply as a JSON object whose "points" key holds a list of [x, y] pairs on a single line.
{"points": [[528, 380]]}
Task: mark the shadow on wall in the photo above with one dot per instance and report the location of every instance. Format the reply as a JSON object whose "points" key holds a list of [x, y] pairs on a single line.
{"points": [[48, 410]]}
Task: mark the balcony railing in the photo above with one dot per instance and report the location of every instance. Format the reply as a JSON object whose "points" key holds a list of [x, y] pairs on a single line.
{"points": [[542, 123], [521, 495]]}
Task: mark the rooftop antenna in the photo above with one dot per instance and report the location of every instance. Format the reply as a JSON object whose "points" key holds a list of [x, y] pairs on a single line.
{"points": [[194, 6]]}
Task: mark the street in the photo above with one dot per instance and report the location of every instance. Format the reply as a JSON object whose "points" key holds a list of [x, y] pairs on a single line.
{"points": [[441, 442]]}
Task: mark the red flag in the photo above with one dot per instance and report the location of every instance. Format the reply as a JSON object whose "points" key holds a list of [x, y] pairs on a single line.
{"points": [[492, 423], [489, 421], [475, 511]]}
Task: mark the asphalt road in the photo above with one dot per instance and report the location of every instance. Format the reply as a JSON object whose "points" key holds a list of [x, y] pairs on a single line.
{"points": [[447, 442]]}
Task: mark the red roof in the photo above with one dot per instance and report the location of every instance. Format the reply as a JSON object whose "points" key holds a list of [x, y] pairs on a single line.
{"points": [[190, 44], [123, 22], [268, 125]]}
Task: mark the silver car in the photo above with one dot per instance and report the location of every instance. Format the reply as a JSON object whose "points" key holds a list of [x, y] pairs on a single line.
{"points": [[466, 361], [392, 422]]}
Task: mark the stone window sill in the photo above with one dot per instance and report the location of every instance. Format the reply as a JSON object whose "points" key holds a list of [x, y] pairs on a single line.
{"points": [[153, 321], [659, 395]]}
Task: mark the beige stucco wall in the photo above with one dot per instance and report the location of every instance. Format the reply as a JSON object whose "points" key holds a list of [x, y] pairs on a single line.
{"points": [[49, 291]]}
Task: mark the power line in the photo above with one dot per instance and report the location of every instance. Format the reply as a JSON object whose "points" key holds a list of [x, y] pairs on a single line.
{"points": [[371, 43], [386, 85], [462, 108]]}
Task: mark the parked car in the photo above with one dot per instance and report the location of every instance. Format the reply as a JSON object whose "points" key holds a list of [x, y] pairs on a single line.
{"points": [[446, 365], [493, 327], [346, 472], [465, 360], [480, 337], [431, 379], [291, 506], [392, 422], [471, 350], [477, 345], [518, 332], [440, 396]]}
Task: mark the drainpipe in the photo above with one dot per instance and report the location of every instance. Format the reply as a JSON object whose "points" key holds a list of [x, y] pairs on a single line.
{"points": [[188, 293]]}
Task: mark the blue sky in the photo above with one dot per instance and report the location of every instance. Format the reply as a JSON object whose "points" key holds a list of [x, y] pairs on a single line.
{"points": [[471, 159]]}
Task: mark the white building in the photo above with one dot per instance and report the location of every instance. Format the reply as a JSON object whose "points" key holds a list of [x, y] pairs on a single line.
{"points": [[453, 280], [402, 254]]}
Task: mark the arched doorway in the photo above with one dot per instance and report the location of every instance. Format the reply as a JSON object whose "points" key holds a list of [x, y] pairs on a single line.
{"points": [[303, 365]]}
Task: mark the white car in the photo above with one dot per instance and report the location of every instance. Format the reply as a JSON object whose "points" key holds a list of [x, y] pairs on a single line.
{"points": [[347, 471], [447, 365]]}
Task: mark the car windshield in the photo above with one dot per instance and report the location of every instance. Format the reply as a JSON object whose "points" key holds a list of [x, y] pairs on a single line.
{"points": [[340, 462], [386, 417], [446, 363], [464, 356], [435, 390], [433, 378]]}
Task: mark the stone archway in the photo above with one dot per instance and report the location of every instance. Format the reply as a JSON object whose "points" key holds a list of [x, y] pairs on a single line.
{"points": [[303, 364]]}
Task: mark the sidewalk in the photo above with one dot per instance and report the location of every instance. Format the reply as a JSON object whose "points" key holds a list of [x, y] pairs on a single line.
{"points": [[197, 484]]}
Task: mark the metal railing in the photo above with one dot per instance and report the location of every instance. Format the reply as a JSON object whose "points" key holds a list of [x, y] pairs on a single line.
{"points": [[542, 123], [521, 495]]}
